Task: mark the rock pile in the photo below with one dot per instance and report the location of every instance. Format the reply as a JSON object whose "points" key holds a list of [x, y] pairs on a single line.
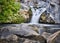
{"points": [[24, 33]]}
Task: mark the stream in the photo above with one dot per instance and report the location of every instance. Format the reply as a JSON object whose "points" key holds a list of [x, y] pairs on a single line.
{"points": [[33, 32]]}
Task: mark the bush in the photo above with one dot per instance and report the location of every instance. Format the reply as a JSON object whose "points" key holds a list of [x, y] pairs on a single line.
{"points": [[9, 12]]}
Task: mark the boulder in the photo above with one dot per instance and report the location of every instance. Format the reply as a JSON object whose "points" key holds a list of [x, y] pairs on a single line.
{"points": [[22, 29], [38, 38], [54, 38], [45, 18], [46, 35], [20, 40], [19, 33]]}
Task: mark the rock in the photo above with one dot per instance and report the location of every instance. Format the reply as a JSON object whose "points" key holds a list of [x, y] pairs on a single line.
{"points": [[11, 39], [24, 13], [7, 37], [54, 38], [45, 18], [53, 30], [23, 40], [22, 29], [19, 33], [46, 35], [5, 34], [39, 38], [56, 1], [30, 15], [33, 27], [30, 41]]}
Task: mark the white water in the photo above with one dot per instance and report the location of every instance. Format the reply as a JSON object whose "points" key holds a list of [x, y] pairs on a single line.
{"points": [[36, 14], [53, 11]]}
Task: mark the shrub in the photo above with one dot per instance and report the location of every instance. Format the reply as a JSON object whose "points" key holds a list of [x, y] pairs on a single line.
{"points": [[9, 12]]}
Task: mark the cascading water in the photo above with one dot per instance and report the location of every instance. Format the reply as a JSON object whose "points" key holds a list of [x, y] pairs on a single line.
{"points": [[39, 9], [36, 12]]}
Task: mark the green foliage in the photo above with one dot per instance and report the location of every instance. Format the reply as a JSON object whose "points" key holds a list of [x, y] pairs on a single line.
{"points": [[9, 12]]}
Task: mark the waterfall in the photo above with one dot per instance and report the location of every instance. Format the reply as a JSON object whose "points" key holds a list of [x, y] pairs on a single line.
{"points": [[40, 7], [36, 14]]}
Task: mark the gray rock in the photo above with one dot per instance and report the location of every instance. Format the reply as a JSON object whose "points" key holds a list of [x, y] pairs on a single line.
{"points": [[46, 35], [20, 34], [54, 38], [56, 1], [22, 29]]}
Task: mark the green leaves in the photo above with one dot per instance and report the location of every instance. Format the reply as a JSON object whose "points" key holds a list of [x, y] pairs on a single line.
{"points": [[9, 12]]}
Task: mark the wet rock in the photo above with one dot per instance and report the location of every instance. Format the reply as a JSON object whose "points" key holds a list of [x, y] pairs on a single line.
{"points": [[30, 15], [54, 38]]}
